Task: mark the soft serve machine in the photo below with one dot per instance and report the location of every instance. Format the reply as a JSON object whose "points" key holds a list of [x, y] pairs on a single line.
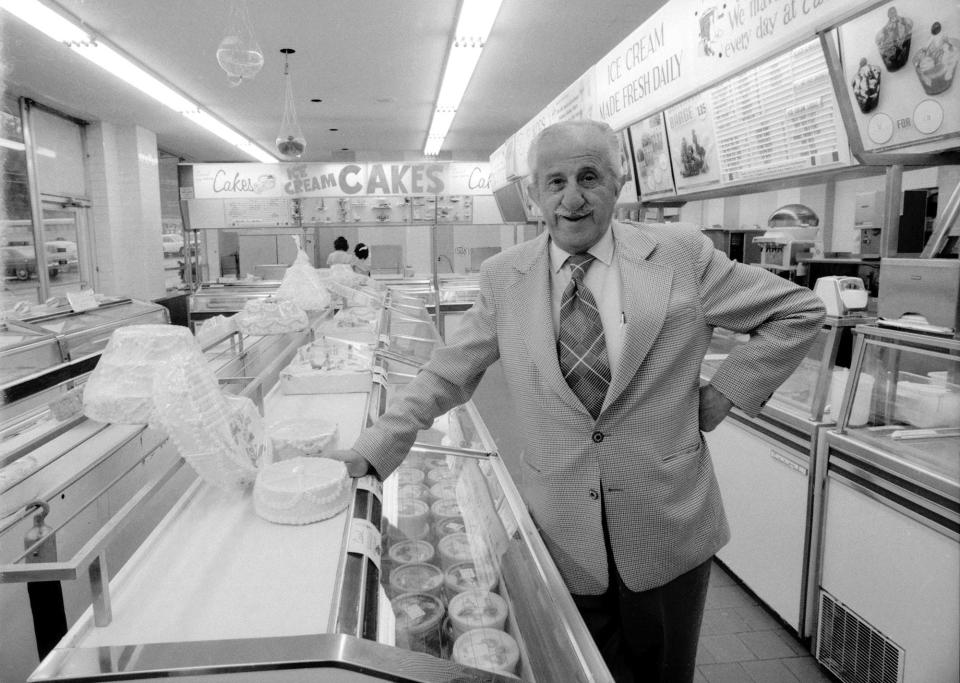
{"points": [[791, 232]]}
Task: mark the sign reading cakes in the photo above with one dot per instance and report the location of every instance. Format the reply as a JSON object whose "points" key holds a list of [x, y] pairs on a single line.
{"points": [[293, 180], [900, 62]]}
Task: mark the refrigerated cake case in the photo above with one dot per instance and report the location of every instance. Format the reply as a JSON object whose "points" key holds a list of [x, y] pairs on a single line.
{"points": [[216, 591]]}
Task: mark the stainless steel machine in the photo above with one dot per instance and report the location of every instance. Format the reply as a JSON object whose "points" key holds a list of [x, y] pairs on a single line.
{"points": [[791, 232]]}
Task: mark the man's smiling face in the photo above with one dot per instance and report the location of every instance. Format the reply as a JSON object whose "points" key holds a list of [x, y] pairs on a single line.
{"points": [[575, 186]]}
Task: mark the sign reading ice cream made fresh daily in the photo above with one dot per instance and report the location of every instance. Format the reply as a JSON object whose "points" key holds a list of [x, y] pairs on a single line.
{"points": [[292, 180], [683, 48]]}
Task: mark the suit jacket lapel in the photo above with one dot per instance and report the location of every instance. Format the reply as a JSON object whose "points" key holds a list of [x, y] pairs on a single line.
{"points": [[645, 295], [528, 302]]}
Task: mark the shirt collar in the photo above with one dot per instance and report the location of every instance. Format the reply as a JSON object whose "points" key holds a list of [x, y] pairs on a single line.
{"points": [[602, 251]]}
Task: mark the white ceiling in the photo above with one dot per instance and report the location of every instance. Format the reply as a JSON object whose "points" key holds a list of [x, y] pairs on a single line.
{"points": [[376, 64]]}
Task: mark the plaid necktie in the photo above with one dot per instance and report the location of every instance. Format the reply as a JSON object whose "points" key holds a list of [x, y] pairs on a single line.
{"points": [[581, 347]]}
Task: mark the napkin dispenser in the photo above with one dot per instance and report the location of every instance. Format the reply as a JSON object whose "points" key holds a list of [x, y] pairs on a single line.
{"points": [[915, 288], [841, 294]]}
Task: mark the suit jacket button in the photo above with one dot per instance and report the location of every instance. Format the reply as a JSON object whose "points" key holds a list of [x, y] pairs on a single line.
{"points": [[594, 494], [597, 437]]}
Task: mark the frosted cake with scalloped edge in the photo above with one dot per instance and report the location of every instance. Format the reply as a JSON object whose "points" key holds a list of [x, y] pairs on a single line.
{"points": [[301, 490]]}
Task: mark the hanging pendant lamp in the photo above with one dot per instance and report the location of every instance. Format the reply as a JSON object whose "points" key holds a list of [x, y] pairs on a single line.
{"points": [[239, 54], [290, 140]]}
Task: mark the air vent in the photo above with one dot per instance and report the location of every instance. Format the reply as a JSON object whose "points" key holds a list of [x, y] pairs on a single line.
{"points": [[854, 650]]}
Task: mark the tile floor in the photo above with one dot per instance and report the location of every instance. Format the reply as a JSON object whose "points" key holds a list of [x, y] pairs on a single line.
{"points": [[740, 642]]}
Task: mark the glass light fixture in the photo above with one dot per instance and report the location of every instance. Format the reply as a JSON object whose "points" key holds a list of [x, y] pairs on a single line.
{"points": [[239, 54], [290, 140], [97, 51]]}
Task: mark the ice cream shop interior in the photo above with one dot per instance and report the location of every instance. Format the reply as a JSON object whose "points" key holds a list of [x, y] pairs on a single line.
{"points": [[233, 231]]}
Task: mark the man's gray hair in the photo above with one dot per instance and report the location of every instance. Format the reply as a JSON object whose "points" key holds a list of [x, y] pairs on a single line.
{"points": [[614, 156]]}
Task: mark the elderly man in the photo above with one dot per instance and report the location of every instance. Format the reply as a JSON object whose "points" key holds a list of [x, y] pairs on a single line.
{"points": [[601, 327]]}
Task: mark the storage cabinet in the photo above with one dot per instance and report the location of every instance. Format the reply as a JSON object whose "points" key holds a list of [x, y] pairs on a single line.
{"points": [[765, 467]]}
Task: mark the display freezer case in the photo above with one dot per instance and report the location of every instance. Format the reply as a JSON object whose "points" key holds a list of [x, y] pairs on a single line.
{"points": [[214, 590], [83, 474], [765, 467], [890, 553], [25, 350], [457, 295], [213, 299], [86, 332], [45, 358]]}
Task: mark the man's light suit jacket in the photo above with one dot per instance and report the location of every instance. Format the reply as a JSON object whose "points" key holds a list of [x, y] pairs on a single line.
{"points": [[644, 452]]}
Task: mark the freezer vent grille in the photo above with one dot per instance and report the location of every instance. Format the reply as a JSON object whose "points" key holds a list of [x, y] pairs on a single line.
{"points": [[854, 650]]}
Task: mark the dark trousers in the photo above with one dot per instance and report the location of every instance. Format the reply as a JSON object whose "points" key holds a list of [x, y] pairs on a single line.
{"points": [[648, 636]]}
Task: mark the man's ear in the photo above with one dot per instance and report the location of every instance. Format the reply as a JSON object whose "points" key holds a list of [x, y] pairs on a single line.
{"points": [[533, 191]]}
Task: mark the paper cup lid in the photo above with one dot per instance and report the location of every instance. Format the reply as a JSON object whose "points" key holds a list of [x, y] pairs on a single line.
{"points": [[416, 578]]}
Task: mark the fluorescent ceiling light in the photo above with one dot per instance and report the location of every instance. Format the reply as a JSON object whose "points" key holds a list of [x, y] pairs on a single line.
{"points": [[78, 39], [473, 28]]}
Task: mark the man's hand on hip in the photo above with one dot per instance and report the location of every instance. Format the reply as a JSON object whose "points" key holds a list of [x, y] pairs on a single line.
{"points": [[714, 406], [357, 465]]}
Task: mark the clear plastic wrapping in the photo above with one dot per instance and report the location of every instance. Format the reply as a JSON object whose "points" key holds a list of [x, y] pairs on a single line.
{"points": [[263, 317], [121, 389], [221, 438], [214, 329]]}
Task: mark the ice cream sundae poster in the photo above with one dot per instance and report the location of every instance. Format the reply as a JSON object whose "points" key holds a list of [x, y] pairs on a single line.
{"points": [[693, 144], [900, 63], [651, 157]]}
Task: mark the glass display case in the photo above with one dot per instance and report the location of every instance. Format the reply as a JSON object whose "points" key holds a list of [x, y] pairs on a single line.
{"points": [[212, 299], [355, 595], [901, 412], [86, 332], [44, 360], [459, 289], [889, 552], [813, 392], [765, 466], [24, 350]]}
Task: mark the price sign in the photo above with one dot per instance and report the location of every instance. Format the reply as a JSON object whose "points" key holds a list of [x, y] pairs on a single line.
{"points": [[364, 540], [372, 484]]}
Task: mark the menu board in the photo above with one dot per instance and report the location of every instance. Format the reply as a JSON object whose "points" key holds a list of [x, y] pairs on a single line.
{"points": [[651, 158], [693, 143], [258, 212], [777, 119], [899, 64]]}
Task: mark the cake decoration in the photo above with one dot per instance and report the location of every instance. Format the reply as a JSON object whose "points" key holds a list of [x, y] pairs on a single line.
{"points": [[301, 490], [295, 437]]}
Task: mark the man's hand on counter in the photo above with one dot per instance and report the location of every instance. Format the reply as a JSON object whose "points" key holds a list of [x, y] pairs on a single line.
{"points": [[357, 465]]}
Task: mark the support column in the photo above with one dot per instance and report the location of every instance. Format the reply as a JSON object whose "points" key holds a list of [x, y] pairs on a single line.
{"points": [[125, 192]]}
